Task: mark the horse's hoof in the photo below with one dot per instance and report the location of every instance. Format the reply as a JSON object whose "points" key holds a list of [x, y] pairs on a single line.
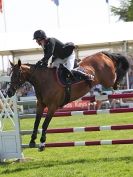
{"points": [[32, 144], [41, 147]]}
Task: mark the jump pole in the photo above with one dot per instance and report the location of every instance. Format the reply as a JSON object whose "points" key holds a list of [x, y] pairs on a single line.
{"points": [[86, 112], [84, 143], [82, 129], [90, 98], [106, 97]]}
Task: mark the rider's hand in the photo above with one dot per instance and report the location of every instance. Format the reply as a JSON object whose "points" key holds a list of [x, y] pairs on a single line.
{"points": [[41, 63]]}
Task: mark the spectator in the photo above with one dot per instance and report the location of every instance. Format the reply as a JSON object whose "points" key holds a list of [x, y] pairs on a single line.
{"points": [[97, 90], [31, 92]]}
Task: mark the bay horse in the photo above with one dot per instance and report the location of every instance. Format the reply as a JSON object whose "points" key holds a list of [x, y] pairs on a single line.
{"points": [[107, 68]]}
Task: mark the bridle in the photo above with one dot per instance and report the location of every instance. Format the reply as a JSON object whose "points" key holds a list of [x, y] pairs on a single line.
{"points": [[18, 80]]}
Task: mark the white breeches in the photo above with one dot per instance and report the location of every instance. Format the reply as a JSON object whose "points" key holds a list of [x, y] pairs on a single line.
{"points": [[68, 62]]}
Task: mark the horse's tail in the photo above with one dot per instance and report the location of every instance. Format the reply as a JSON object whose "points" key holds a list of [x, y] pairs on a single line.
{"points": [[122, 66]]}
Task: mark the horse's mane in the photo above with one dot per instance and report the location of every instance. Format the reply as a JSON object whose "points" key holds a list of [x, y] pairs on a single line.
{"points": [[33, 66]]}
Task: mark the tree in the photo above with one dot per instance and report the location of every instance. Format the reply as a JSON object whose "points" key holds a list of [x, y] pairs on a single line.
{"points": [[125, 11]]}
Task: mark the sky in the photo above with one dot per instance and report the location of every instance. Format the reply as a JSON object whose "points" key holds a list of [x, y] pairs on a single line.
{"points": [[29, 15]]}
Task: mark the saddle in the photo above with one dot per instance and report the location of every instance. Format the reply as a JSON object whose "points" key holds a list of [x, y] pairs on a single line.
{"points": [[67, 78]]}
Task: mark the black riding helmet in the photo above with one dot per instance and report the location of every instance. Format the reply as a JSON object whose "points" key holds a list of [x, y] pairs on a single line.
{"points": [[39, 34]]}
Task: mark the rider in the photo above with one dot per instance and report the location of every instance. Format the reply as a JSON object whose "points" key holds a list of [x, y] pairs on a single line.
{"points": [[58, 53], [55, 51]]}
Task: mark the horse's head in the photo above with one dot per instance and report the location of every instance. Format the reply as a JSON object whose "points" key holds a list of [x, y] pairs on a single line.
{"points": [[17, 78]]}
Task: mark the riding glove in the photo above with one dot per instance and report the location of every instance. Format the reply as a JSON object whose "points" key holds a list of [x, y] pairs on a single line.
{"points": [[41, 63]]}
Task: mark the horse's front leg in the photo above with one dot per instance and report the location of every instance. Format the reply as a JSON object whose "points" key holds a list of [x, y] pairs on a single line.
{"points": [[45, 125], [39, 113]]}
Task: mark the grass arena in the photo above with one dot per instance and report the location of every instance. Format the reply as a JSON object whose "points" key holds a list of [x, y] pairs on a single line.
{"points": [[81, 160]]}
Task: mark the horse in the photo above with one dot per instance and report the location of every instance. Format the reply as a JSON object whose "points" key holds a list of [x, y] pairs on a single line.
{"points": [[107, 69]]}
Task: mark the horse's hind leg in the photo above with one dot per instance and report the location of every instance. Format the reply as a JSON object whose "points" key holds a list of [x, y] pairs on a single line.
{"points": [[40, 109]]}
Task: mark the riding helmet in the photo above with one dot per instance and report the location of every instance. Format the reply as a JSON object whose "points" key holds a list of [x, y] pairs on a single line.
{"points": [[39, 34]]}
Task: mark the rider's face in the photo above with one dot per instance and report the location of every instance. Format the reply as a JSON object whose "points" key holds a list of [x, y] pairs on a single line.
{"points": [[40, 41]]}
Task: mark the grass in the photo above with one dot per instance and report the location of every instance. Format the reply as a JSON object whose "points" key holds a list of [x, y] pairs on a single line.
{"points": [[93, 161]]}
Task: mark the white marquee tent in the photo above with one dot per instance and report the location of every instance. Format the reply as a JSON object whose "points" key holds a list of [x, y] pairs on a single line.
{"points": [[19, 44]]}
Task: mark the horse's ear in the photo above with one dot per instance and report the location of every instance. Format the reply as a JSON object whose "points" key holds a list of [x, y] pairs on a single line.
{"points": [[11, 63], [19, 62]]}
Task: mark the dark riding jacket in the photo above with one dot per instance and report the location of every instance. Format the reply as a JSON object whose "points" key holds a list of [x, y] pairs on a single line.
{"points": [[56, 49]]}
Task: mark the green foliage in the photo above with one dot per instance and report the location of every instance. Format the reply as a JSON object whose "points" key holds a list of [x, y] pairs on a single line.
{"points": [[125, 11]]}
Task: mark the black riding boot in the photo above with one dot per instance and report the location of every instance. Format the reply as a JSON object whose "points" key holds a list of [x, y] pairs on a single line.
{"points": [[69, 74], [87, 77]]}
